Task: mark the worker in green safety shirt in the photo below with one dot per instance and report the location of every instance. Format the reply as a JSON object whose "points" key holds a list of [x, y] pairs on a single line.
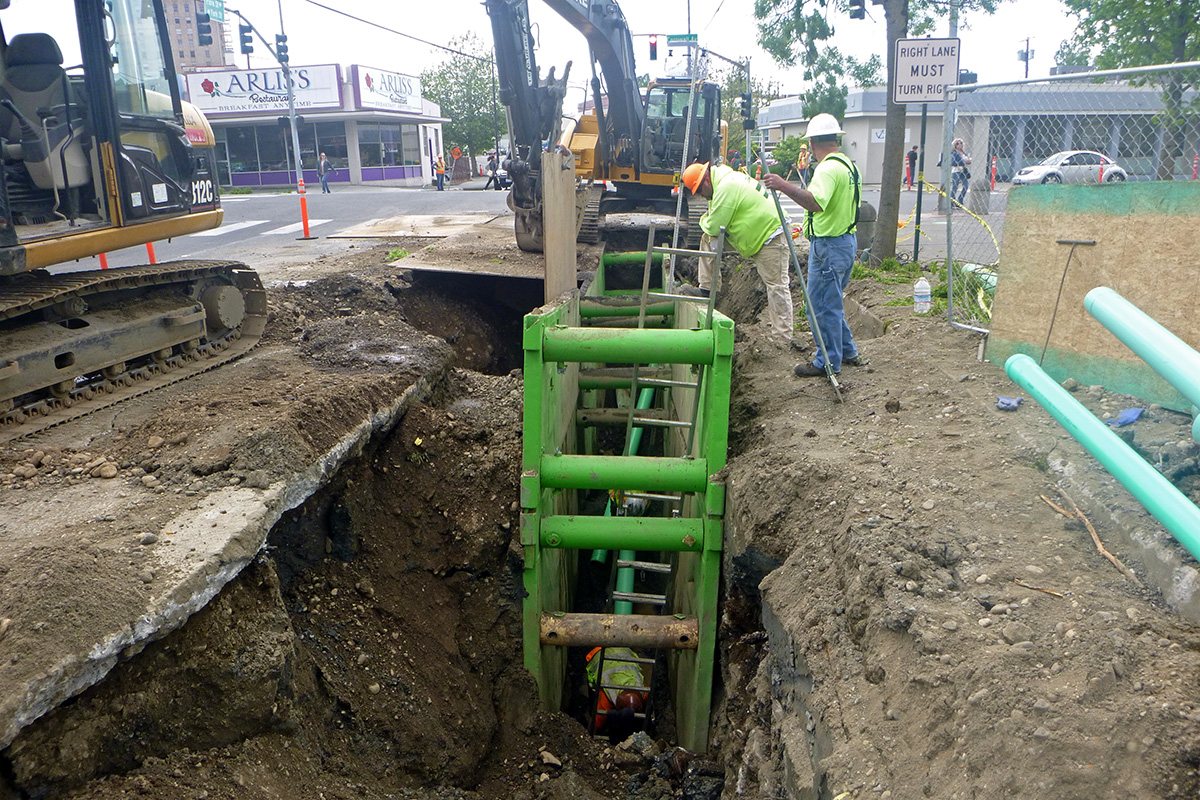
{"points": [[616, 709]]}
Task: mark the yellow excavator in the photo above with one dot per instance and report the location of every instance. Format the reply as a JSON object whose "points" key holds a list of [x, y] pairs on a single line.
{"points": [[631, 146], [99, 153]]}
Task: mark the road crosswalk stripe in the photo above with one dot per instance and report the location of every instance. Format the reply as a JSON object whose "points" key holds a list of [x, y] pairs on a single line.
{"points": [[236, 226], [295, 227]]}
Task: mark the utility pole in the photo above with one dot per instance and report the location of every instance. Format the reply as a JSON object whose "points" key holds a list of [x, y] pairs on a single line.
{"points": [[280, 53]]}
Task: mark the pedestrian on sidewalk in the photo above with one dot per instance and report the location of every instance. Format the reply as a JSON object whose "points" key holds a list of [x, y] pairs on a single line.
{"points": [[912, 166], [739, 204], [493, 178], [324, 170], [440, 169], [831, 201]]}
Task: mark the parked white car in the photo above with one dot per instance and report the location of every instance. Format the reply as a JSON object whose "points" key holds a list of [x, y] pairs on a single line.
{"points": [[1071, 166]]}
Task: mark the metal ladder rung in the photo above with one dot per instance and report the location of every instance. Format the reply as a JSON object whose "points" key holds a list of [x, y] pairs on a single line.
{"points": [[621, 688], [660, 382], [648, 566], [628, 659], [677, 251], [666, 498], [639, 597], [651, 422], [665, 296]]}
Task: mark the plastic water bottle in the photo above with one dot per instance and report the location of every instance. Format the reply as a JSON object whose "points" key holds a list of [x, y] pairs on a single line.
{"points": [[922, 299]]}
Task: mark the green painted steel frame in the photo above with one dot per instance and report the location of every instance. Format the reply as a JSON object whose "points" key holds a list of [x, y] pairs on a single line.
{"points": [[554, 469]]}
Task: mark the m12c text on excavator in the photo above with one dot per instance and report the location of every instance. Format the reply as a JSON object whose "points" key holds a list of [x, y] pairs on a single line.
{"points": [[629, 148], [101, 153]]}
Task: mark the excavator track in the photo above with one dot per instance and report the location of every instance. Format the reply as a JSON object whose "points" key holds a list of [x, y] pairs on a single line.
{"points": [[196, 294], [589, 228]]}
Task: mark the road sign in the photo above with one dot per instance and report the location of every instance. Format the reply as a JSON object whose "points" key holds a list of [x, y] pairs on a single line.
{"points": [[215, 9], [924, 68], [682, 40]]}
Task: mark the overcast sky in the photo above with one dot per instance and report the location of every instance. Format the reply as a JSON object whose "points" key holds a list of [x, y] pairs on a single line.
{"points": [[317, 35]]}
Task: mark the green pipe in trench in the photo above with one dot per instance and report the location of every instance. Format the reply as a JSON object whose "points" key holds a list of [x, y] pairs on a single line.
{"points": [[625, 574], [1168, 505]]}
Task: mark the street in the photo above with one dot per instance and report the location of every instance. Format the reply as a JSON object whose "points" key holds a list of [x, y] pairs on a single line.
{"points": [[258, 225]]}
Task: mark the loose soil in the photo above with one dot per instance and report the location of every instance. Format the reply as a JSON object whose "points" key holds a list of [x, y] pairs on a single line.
{"points": [[904, 615]]}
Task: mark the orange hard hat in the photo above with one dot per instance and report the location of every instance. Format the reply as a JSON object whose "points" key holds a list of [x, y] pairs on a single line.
{"points": [[694, 175], [631, 699]]}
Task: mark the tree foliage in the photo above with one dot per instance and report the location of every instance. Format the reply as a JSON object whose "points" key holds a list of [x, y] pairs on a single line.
{"points": [[463, 87], [1125, 34], [733, 85], [827, 81], [792, 31]]}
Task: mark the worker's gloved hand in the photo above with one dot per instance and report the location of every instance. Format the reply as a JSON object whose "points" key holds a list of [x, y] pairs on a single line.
{"points": [[1126, 417], [1009, 403]]}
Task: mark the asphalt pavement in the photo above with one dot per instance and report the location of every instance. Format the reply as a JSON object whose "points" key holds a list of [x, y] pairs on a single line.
{"points": [[266, 220]]}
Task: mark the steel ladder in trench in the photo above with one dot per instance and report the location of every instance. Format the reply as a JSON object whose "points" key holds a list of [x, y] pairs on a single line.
{"points": [[682, 350]]}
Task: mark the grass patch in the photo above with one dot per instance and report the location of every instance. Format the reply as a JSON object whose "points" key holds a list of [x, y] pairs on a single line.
{"points": [[240, 190], [397, 253]]}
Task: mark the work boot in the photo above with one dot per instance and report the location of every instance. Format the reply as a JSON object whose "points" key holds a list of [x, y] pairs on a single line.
{"points": [[691, 291], [858, 361], [809, 371]]}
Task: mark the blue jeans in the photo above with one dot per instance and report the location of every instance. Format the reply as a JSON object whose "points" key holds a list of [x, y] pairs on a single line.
{"points": [[325, 182], [830, 259], [958, 187]]}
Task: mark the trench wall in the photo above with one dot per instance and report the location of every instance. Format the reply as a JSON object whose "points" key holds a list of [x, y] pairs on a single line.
{"points": [[1147, 237]]}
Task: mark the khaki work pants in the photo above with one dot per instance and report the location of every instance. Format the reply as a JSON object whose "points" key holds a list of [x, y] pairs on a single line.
{"points": [[771, 261]]}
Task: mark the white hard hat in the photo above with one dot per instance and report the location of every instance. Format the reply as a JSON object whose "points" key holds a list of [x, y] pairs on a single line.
{"points": [[823, 125]]}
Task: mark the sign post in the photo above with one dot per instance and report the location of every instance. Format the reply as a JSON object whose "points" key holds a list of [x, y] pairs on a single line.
{"points": [[924, 68]]}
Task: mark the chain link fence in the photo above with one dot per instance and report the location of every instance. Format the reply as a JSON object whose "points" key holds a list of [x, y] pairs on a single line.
{"points": [[1121, 125]]}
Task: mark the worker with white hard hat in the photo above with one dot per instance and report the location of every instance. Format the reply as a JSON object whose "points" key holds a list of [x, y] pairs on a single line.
{"points": [[831, 200], [740, 205]]}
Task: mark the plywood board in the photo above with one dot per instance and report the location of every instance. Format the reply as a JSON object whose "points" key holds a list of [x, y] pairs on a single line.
{"points": [[1147, 248]]}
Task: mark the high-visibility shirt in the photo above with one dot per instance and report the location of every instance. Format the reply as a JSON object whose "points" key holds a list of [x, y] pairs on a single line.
{"points": [[616, 673], [743, 207], [441, 167], [832, 186]]}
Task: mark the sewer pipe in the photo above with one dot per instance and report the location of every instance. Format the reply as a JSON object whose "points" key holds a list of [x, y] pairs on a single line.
{"points": [[608, 259], [1166, 503], [1165, 352]]}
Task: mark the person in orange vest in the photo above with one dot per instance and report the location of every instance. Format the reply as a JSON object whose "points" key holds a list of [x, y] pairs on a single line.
{"points": [[440, 169], [616, 708]]}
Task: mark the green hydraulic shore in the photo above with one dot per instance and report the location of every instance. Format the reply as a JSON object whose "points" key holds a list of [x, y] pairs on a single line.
{"points": [[582, 357]]}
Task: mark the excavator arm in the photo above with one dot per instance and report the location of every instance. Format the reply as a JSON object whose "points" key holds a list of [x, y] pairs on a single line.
{"points": [[533, 105]]}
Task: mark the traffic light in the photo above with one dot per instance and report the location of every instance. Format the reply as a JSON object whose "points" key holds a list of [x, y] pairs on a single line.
{"points": [[281, 52], [858, 9], [653, 47], [747, 112], [203, 29], [244, 37]]}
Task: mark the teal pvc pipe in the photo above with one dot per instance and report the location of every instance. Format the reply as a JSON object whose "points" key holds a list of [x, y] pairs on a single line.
{"points": [[626, 533], [630, 258], [1165, 352], [1168, 505], [617, 346], [644, 473]]}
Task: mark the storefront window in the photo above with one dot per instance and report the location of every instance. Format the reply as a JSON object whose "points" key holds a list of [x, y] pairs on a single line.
{"points": [[368, 144], [273, 147], [411, 140], [331, 140], [243, 150]]}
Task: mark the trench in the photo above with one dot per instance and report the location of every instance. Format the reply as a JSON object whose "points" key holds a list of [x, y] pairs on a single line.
{"points": [[377, 634]]}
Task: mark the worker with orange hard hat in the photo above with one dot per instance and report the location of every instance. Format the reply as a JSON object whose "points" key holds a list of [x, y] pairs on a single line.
{"points": [[744, 208], [616, 676]]}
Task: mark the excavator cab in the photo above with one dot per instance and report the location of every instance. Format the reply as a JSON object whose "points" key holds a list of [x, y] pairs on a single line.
{"points": [[666, 127], [93, 132]]}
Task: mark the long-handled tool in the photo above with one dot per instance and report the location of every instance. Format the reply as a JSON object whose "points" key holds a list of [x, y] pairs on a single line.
{"points": [[812, 322]]}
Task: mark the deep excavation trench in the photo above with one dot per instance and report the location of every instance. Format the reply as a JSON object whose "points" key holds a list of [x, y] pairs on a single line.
{"points": [[373, 649]]}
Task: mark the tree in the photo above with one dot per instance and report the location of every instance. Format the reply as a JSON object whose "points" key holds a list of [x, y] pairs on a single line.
{"points": [[733, 85], [1140, 34], [786, 153], [463, 86], [828, 86], [791, 31]]}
